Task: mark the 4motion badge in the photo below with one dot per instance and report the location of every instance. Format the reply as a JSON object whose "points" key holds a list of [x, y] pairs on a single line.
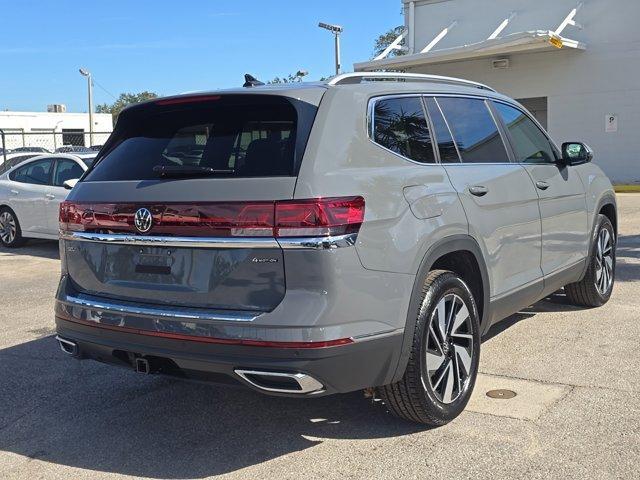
{"points": [[264, 260]]}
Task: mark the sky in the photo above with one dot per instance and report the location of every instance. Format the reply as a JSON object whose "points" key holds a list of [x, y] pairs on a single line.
{"points": [[170, 47]]}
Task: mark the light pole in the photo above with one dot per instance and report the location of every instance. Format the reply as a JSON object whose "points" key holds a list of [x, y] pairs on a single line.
{"points": [[336, 30], [86, 73]]}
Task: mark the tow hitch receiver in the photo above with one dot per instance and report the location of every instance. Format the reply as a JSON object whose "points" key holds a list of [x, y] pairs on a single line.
{"points": [[142, 366]]}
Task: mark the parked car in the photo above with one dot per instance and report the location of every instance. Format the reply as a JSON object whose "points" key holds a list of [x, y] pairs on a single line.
{"points": [[96, 148], [73, 149], [31, 149], [30, 196], [14, 158], [372, 230]]}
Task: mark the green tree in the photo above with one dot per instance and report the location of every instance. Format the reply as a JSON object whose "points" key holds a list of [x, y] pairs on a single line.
{"points": [[291, 78], [124, 100], [386, 39]]}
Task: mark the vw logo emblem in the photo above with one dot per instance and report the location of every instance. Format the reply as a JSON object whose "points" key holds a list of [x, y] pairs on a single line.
{"points": [[143, 220]]}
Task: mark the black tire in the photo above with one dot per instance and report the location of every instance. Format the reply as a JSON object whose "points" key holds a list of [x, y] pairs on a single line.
{"points": [[414, 398], [11, 241], [588, 292]]}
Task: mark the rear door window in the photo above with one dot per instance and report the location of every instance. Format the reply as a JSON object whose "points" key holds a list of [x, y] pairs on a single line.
{"points": [[529, 143], [237, 136], [474, 130], [66, 169], [446, 145], [37, 173], [399, 124]]}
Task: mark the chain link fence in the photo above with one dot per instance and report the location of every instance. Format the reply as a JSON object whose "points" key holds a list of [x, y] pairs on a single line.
{"points": [[43, 141]]}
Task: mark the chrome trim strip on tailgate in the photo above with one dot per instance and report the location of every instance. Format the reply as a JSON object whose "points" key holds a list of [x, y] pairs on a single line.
{"points": [[161, 311], [176, 242], [318, 243], [311, 243]]}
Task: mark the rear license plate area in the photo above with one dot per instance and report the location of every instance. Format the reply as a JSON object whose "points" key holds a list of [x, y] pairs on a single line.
{"points": [[153, 261], [153, 269]]}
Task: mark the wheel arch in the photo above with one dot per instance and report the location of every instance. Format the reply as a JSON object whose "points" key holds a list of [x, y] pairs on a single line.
{"points": [[6, 206], [608, 207], [450, 253]]}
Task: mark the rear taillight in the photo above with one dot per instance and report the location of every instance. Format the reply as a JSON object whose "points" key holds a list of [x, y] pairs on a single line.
{"points": [[287, 218], [319, 217]]}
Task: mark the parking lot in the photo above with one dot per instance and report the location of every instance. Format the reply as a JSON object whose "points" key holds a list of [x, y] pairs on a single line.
{"points": [[577, 412]]}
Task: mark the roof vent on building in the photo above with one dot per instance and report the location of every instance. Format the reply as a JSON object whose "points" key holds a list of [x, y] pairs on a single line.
{"points": [[500, 63], [57, 108]]}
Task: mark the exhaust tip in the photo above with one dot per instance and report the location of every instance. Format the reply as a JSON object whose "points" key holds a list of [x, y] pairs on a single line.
{"points": [[281, 382], [67, 346]]}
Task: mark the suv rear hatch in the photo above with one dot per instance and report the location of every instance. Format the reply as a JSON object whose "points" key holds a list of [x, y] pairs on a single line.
{"points": [[179, 209]]}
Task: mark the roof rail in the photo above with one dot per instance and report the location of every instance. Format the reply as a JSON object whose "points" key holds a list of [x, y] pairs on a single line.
{"points": [[360, 77]]}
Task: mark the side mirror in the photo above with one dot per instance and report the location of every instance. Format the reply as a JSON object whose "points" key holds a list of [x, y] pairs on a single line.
{"points": [[576, 153], [69, 184]]}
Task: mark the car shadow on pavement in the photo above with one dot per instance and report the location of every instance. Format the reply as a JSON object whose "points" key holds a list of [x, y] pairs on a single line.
{"points": [[34, 248], [556, 302], [628, 258], [627, 270], [92, 416]]}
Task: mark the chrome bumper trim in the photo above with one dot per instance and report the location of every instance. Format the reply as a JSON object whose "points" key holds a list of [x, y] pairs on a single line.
{"points": [[162, 311], [287, 243], [318, 243], [161, 241]]}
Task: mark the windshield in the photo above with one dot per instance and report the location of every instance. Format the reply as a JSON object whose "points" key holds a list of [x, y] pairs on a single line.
{"points": [[240, 136]]}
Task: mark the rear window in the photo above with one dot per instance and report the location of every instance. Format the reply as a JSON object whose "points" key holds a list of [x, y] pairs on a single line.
{"points": [[236, 135]]}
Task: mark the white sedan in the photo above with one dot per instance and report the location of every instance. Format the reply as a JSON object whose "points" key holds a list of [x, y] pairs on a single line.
{"points": [[31, 193]]}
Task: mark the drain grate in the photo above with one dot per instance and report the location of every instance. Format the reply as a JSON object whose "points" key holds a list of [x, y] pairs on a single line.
{"points": [[501, 394]]}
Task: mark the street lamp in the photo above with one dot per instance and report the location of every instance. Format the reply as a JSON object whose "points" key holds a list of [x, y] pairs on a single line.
{"points": [[86, 73], [336, 30]]}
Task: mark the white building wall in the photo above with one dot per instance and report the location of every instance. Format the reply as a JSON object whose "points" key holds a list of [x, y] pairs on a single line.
{"points": [[38, 127], [582, 87]]}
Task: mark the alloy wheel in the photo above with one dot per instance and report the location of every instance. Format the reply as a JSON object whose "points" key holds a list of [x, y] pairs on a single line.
{"points": [[8, 227], [604, 261], [449, 348]]}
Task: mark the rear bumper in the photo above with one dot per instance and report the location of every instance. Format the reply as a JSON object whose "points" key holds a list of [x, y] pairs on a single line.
{"points": [[366, 362]]}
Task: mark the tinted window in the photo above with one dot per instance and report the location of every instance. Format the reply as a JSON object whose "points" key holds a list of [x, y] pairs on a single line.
{"points": [[66, 170], [474, 130], [239, 136], [529, 143], [446, 147], [400, 126], [38, 173], [12, 162], [88, 161]]}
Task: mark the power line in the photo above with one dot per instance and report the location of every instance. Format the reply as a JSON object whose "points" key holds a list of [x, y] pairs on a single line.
{"points": [[104, 89]]}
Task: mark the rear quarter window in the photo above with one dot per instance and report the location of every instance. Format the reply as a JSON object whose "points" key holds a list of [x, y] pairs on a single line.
{"points": [[400, 125], [237, 135]]}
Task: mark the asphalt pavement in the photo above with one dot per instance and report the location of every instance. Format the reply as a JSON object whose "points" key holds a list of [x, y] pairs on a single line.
{"points": [[576, 413]]}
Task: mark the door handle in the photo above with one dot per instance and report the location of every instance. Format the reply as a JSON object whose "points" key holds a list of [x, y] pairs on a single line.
{"points": [[542, 185], [478, 190], [50, 196], [14, 192]]}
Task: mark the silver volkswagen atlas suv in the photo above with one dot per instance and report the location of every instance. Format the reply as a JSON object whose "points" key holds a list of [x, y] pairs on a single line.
{"points": [[311, 239]]}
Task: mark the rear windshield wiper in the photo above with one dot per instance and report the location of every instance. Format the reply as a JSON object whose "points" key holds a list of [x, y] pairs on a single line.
{"points": [[174, 171]]}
